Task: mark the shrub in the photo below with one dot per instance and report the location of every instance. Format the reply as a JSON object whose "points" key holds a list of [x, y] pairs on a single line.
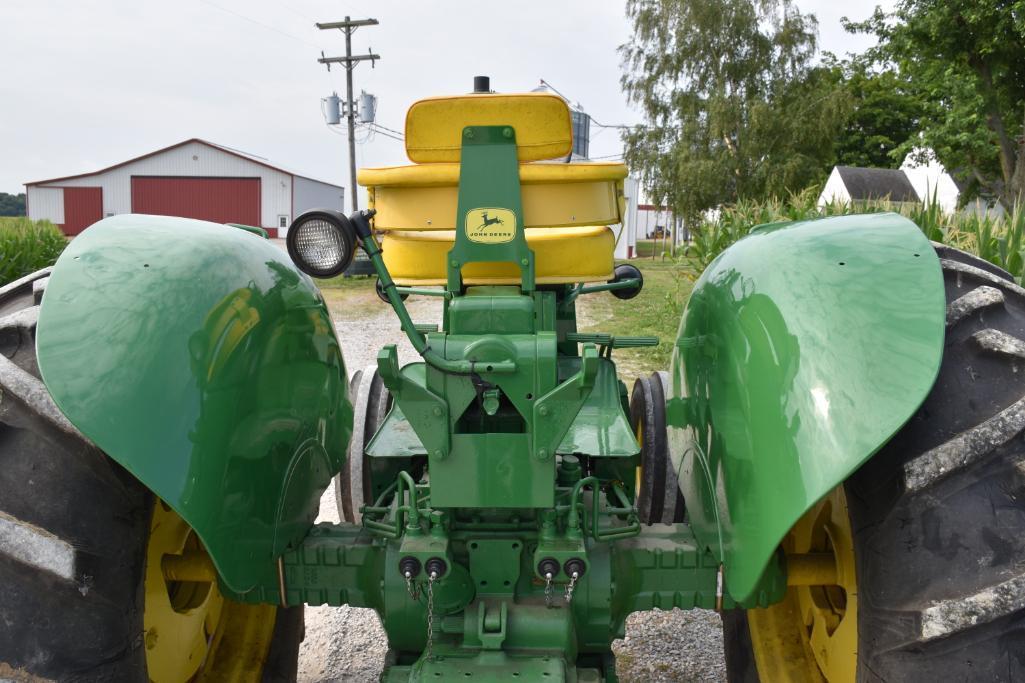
{"points": [[26, 246]]}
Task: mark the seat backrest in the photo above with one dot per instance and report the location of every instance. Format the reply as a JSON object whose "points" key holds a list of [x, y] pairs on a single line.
{"points": [[434, 126]]}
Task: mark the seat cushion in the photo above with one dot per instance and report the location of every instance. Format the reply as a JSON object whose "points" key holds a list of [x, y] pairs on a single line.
{"points": [[424, 197], [561, 255], [434, 126]]}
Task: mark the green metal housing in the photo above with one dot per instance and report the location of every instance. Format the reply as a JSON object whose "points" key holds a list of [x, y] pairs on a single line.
{"points": [[201, 360], [804, 347]]}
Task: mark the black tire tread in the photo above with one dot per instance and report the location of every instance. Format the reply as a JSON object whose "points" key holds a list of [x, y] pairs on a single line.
{"points": [[673, 505], [939, 512], [642, 413], [659, 498]]}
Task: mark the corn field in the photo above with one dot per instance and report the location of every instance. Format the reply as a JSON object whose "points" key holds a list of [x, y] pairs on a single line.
{"points": [[26, 246], [997, 240]]}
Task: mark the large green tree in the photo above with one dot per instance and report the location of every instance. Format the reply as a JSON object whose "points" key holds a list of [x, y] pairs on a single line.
{"points": [[966, 59], [734, 105], [885, 114]]}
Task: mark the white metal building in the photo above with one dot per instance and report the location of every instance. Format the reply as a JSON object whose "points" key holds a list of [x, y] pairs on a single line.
{"points": [[193, 179], [626, 232], [654, 221]]}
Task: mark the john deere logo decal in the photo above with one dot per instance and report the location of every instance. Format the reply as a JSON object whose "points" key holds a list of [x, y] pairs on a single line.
{"points": [[490, 225]]}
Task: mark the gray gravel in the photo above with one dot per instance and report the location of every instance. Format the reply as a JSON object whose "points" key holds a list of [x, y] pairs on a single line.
{"points": [[348, 644], [671, 646], [342, 643]]}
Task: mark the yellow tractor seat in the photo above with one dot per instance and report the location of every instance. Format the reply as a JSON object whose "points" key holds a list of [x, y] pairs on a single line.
{"points": [[434, 126], [565, 206], [561, 255]]}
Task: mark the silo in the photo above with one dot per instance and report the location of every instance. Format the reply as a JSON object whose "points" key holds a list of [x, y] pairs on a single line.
{"points": [[581, 131], [580, 120]]}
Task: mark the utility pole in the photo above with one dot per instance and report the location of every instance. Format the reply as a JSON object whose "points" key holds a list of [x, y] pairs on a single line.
{"points": [[350, 61]]}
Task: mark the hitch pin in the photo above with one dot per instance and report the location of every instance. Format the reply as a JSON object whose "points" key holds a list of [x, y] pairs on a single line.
{"points": [[571, 586], [414, 594]]}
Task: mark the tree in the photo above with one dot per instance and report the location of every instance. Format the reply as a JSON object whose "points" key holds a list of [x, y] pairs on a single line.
{"points": [[885, 114], [734, 106], [966, 59], [12, 204]]}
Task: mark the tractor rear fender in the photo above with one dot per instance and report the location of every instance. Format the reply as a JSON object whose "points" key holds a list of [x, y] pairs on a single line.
{"points": [[803, 349], [197, 357]]}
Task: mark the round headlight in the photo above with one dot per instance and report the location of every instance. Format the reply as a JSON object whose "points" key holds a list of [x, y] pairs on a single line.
{"points": [[322, 243]]}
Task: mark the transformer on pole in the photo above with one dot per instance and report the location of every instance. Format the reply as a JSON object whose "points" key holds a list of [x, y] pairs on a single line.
{"points": [[332, 109]]}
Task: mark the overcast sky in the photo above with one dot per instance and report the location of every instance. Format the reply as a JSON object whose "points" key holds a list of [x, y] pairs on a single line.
{"points": [[88, 84]]}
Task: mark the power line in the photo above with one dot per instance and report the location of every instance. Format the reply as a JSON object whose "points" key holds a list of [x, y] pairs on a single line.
{"points": [[297, 12], [390, 130], [259, 23], [593, 120], [387, 135], [378, 129], [370, 134]]}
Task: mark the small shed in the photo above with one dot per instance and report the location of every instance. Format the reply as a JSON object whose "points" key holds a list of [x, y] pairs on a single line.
{"points": [[852, 184]]}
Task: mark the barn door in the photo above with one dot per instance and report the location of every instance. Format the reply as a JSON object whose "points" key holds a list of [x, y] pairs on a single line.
{"points": [[83, 206], [221, 200]]}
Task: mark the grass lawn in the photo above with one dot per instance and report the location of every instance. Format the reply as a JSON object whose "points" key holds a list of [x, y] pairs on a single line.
{"points": [[340, 282], [645, 249], [654, 312], [351, 297]]}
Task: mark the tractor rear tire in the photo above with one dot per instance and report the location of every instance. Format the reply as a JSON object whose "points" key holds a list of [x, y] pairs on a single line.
{"points": [[938, 515], [658, 497], [74, 535]]}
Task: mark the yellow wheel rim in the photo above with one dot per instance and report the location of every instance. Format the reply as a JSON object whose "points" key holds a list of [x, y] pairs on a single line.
{"points": [[191, 631], [812, 635]]}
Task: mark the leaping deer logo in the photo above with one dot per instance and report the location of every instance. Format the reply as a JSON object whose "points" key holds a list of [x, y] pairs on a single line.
{"points": [[489, 221]]}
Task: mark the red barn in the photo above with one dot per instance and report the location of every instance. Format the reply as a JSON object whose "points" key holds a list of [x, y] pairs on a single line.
{"points": [[193, 179]]}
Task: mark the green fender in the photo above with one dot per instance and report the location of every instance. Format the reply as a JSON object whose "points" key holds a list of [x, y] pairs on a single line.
{"points": [[201, 360], [803, 349]]}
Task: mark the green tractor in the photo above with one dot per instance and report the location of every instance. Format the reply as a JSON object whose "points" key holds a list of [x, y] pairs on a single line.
{"points": [[833, 461]]}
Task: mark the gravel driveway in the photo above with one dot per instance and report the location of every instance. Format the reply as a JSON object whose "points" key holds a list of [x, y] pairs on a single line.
{"points": [[348, 644]]}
